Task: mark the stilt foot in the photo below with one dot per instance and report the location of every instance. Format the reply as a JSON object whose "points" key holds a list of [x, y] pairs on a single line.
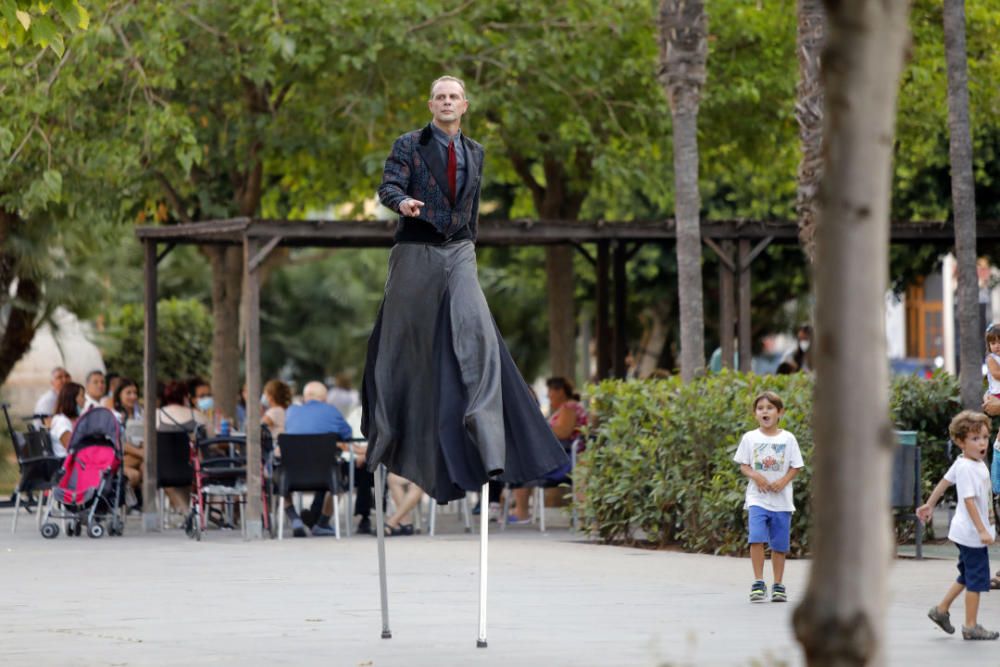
{"points": [[480, 643], [386, 634]]}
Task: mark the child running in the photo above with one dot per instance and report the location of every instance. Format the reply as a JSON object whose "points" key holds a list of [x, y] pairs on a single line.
{"points": [[770, 458], [970, 529]]}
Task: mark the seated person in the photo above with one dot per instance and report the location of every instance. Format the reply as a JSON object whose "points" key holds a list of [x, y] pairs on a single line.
{"points": [[566, 416], [46, 404], [277, 399], [126, 407], [94, 386], [69, 406], [315, 415], [405, 496], [176, 414]]}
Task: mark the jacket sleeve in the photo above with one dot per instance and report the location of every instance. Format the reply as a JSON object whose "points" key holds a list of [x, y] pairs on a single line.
{"points": [[396, 175], [474, 215]]}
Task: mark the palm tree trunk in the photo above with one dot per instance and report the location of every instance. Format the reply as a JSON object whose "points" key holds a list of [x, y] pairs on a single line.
{"points": [[841, 620], [963, 198], [683, 57], [809, 114]]}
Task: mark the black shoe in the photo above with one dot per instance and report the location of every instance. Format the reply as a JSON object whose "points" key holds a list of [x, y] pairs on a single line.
{"points": [[407, 529], [364, 526], [307, 518]]}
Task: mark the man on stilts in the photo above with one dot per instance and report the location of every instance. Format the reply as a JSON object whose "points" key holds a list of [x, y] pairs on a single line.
{"points": [[443, 403]]}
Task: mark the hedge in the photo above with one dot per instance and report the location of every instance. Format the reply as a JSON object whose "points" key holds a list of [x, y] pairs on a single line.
{"points": [[658, 468]]}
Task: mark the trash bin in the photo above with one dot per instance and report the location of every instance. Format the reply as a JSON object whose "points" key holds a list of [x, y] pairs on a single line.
{"points": [[906, 470], [906, 492]]}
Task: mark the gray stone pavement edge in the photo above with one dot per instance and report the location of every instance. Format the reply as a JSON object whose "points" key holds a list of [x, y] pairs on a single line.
{"points": [[161, 599]]}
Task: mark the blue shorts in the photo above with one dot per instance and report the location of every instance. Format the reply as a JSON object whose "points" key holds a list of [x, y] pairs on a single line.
{"points": [[771, 527], [974, 568]]}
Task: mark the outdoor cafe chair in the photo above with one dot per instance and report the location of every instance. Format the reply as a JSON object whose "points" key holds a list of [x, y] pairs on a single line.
{"points": [[309, 462], [38, 465], [173, 465], [539, 485]]}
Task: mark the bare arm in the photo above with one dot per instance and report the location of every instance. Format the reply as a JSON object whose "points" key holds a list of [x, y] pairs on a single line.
{"points": [[759, 479], [924, 511], [565, 423], [993, 367], [984, 535], [785, 479]]}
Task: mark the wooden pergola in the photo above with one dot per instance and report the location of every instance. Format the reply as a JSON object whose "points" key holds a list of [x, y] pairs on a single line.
{"points": [[737, 243]]}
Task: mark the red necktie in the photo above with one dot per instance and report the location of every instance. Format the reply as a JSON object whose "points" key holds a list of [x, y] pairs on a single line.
{"points": [[452, 170]]}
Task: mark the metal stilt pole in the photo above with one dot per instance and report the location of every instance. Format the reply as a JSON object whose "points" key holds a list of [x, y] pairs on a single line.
{"points": [[380, 532], [484, 518]]}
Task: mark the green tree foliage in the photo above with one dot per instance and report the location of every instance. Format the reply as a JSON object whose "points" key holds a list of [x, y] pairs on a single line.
{"points": [[183, 342], [41, 24]]}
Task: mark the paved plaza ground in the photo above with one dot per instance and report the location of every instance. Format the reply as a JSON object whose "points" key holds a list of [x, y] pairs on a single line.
{"points": [[161, 599]]}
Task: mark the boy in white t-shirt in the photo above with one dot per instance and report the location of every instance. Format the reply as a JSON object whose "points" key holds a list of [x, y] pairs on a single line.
{"points": [[970, 529], [770, 458]]}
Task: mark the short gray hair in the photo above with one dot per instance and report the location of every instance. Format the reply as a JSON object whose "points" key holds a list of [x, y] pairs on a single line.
{"points": [[314, 391], [442, 79]]}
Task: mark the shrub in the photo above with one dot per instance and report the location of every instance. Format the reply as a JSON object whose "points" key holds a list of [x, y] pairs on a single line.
{"points": [[659, 464], [184, 339]]}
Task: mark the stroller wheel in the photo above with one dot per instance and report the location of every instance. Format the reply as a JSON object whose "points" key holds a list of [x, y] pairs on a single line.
{"points": [[50, 530], [95, 530]]}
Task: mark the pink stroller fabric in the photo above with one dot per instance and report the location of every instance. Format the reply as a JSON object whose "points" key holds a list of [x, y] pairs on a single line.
{"points": [[94, 452]]}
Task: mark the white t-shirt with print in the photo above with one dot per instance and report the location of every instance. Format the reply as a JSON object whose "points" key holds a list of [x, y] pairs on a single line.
{"points": [[972, 480], [771, 456]]}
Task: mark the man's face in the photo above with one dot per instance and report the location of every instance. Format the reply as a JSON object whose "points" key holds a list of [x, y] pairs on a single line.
{"points": [[59, 378], [448, 103], [95, 386]]}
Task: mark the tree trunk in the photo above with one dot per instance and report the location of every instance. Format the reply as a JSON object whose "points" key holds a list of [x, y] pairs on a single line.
{"points": [[963, 198], [562, 310], [22, 318], [841, 620], [227, 287], [683, 56], [809, 114]]}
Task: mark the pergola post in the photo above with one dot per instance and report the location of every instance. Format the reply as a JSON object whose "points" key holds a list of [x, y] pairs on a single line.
{"points": [[727, 307], [251, 295], [621, 289], [150, 511], [746, 350], [603, 310]]}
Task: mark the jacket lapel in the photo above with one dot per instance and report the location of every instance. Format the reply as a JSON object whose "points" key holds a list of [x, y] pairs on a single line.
{"points": [[432, 158], [473, 170]]}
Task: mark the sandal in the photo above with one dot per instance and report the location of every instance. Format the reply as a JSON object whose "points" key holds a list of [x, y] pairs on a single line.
{"points": [[942, 619], [394, 531], [978, 632]]}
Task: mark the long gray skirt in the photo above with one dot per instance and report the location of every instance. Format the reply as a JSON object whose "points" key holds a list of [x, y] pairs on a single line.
{"points": [[443, 403]]}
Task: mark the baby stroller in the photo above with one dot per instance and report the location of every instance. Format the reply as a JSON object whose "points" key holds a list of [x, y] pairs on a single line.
{"points": [[90, 486]]}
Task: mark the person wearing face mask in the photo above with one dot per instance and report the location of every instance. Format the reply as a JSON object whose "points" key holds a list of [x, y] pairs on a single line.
{"points": [[69, 407], [800, 356]]}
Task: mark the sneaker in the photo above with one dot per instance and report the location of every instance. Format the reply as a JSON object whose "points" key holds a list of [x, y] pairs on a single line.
{"points": [[943, 620], [978, 632], [298, 528], [477, 509], [778, 593], [364, 526], [494, 512], [758, 592], [513, 520], [320, 530]]}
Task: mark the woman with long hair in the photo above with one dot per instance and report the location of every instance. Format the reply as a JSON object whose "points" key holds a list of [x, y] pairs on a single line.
{"points": [[69, 406]]}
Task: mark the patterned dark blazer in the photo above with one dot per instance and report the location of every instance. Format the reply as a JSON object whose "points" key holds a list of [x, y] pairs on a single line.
{"points": [[416, 169]]}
